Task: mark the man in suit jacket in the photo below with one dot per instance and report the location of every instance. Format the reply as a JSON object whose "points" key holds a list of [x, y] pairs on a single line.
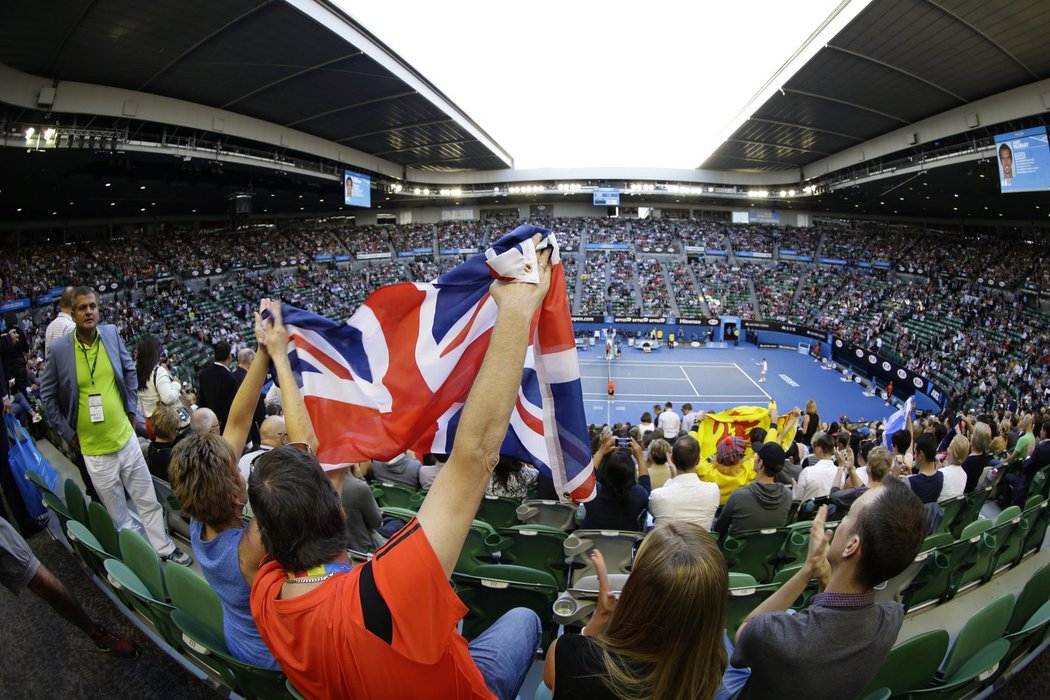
{"points": [[245, 357], [216, 385], [89, 393]]}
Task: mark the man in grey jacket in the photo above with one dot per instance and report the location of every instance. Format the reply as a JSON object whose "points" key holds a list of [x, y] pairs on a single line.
{"points": [[89, 393], [763, 503]]}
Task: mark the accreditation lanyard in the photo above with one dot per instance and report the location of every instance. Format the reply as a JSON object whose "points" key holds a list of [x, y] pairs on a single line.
{"points": [[94, 398]]}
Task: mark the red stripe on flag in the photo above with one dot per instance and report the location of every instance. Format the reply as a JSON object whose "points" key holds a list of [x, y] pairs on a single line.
{"points": [[459, 339], [322, 357], [534, 423]]}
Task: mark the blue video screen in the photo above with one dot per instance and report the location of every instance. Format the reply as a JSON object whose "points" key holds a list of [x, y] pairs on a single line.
{"points": [[606, 197], [1023, 159], [357, 189]]}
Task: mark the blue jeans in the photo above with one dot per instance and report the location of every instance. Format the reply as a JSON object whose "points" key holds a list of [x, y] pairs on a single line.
{"points": [[505, 651], [734, 679]]}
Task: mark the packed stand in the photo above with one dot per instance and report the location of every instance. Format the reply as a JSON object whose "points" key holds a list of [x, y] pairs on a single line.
{"points": [[725, 288]]}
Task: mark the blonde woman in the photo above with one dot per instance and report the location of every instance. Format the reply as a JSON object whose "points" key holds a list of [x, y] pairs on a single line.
{"points": [[979, 459], [663, 638], [954, 475], [660, 469], [810, 422]]}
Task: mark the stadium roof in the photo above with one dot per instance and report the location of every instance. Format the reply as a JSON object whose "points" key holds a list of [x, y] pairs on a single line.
{"points": [[303, 64], [896, 63]]}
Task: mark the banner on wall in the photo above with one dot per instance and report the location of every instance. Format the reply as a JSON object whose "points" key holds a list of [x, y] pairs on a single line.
{"points": [[640, 319], [697, 321], [885, 370], [778, 327]]}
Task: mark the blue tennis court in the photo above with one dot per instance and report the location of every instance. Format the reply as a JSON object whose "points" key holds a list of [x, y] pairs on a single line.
{"points": [[717, 379]]}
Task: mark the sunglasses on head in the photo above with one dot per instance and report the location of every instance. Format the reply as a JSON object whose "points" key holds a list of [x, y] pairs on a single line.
{"points": [[301, 446]]}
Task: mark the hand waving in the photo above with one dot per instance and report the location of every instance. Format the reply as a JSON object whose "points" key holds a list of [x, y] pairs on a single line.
{"points": [[606, 598]]}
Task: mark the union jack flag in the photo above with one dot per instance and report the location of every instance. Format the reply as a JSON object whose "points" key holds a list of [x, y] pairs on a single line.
{"points": [[395, 376]]}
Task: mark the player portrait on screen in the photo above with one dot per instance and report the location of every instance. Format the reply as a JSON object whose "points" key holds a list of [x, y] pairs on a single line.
{"points": [[350, 194], [1006, 162]]}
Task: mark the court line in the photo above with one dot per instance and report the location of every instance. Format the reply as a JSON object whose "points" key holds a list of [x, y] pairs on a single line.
{"points": [[640, 378], [739, 397], [752, 381], [662, 364], [691, 385]]}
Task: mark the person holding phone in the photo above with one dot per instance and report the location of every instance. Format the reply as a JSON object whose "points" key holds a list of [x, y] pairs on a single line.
{"points": [[622, 497], [661, 637]]}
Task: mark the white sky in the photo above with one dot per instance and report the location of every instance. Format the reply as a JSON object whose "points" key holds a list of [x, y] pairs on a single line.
{"points": [[614, 83]]}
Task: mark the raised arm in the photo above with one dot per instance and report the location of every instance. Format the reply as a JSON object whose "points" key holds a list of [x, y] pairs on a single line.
{"points": [[242, 410], [449, 508]]}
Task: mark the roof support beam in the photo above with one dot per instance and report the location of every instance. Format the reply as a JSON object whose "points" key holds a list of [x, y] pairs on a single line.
{"points": [[402, 127], [898, 69], [1002, 49], [794, 166], [847, 103], [292, 76], [778, 145], [67, 35], [794, 125], [421, 146], [203, 41], [345, 108]]}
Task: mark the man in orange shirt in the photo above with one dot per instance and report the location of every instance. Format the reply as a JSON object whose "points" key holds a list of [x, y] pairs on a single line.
{"points": [[387, 628]]}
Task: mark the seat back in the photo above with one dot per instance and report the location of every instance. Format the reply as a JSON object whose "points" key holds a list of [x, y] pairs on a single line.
{"points": [[56, 506], [617, 548], [755, 552], [950, 509], [498, 511], [102, 526], [1034, 594], [494, 589], [1007, 515], [970, 510], [172, 508], [38, 481], [984, 627], [75, 501], [190, 592], [537, 547], [549, 513], [156, 611], [911, 664], [742, 600], [1038, 516], [482, 545], [1010, 531], [87, 546], [394, 495], [141, 558]]}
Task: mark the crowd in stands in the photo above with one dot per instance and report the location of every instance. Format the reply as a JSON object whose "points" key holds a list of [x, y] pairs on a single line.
{"points": [[994, 349], [754, 239], [725, 286]]}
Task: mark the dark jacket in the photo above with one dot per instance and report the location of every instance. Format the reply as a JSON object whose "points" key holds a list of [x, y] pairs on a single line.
{"points": [[216, 388], [754, 507]]}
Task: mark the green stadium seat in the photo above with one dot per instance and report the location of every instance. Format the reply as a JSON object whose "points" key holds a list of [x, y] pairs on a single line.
{"points": [[1025, 639], [549, 513], [952, 508], [931, 581], [1010, 530], [978, 564], [755, 552], [394, 495], [75, 501], [141, 558], [970, 510], [499, 512], [482, 546], [537, 547], [101, 525], [190, 593], [911, 664], [1035, 593], [56, 506], [978, 641], [157, 611], [87, 547], [39, 482], [248, 681], [494, 589], [1038, 517], [744, 596], [617, 548], [785, 575]]}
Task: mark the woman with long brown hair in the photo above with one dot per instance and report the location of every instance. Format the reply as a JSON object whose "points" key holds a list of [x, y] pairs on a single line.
{"points": [[663, 637]]}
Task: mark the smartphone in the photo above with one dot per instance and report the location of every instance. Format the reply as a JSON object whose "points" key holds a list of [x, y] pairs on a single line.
{"points": [[623, 442]]}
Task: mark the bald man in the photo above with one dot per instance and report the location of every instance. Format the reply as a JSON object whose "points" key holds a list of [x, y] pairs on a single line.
{"points": [[203, 421], [272, 434]]}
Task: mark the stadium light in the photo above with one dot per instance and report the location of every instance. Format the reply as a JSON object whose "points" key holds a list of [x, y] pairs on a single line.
{"points": [[49, 134], [29, 133]]}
